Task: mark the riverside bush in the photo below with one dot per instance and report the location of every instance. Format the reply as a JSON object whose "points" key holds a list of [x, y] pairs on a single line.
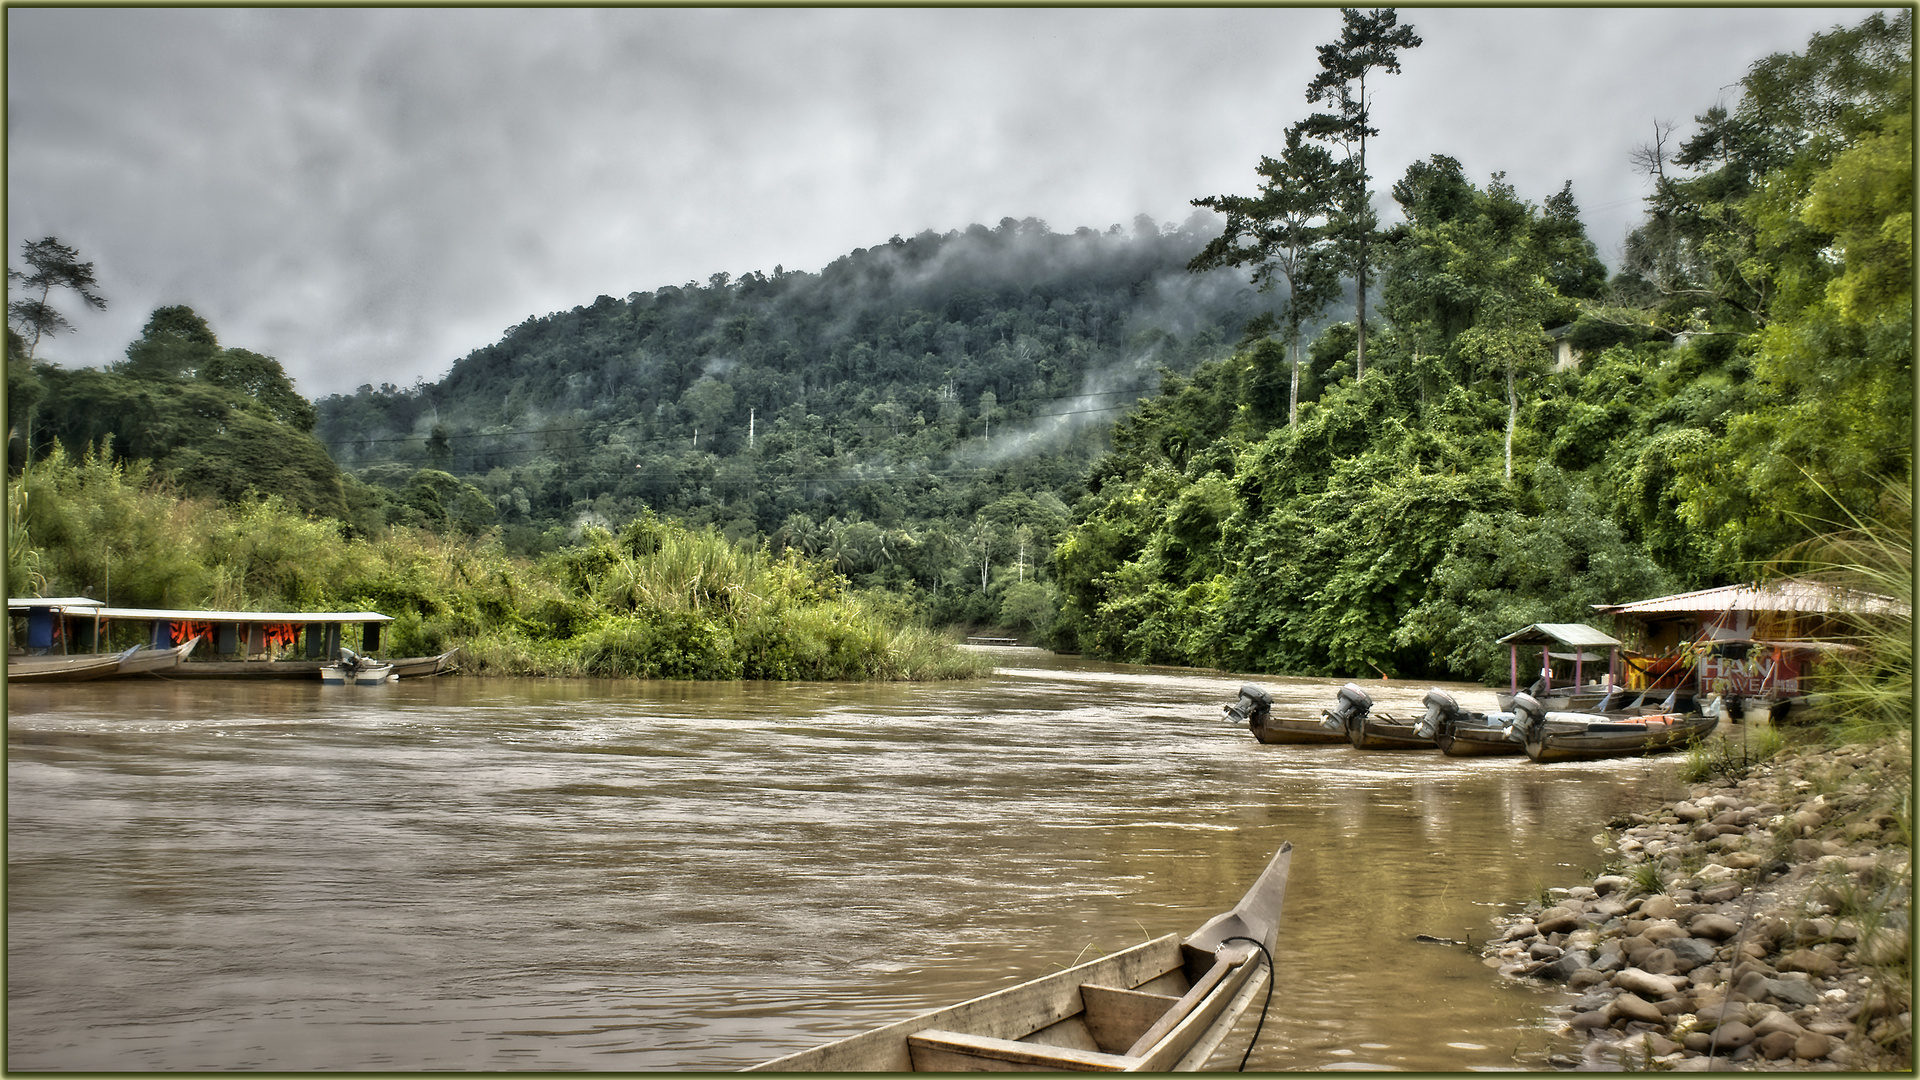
{"points": [[652, 600]]}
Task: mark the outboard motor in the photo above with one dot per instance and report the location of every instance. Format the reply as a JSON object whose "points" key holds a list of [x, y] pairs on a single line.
{"points": [[1349, 709], [1441, 709], [1529, 717], [1254, 706], [349, 659]]}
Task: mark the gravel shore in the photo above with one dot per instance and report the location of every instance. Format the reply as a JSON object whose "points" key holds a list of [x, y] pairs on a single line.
{"points": [[1763, 922]]}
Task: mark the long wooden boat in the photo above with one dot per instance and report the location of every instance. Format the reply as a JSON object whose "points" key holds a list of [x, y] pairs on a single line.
{"points": [[416, 667], [146, 661], [1551, 736], [1255, 709], [82, 668], [1460, 733], [1352, 715], [1161, 1006]]}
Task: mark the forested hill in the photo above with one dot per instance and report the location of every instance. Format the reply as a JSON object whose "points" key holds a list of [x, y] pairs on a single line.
{"points": [[912, 382]]}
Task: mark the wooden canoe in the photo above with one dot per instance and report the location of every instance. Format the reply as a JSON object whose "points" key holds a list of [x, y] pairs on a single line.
{"points": [[156, 661], [1255, 709], [1276, 730], [1161, 1006], [1372, 732], [414, 667]]}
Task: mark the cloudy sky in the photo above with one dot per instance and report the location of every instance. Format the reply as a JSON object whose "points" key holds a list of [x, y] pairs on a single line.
{"points": [[370, 193]]}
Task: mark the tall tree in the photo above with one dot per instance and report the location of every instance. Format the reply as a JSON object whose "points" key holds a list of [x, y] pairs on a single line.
{"points": [[1284, 234], [55, 266], [1368, 40]]}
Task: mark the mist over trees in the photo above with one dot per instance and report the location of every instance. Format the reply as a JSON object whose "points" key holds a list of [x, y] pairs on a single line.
{"points": [[904, 413]]}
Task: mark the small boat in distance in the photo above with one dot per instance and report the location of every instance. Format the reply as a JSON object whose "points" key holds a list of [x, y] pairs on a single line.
{"points": [[414, 667], [352, 669], [1161, 1006], [1255, 709]]}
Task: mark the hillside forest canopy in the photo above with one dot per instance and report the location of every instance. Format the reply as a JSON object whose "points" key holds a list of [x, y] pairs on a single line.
{"points": [[1191, 443]]}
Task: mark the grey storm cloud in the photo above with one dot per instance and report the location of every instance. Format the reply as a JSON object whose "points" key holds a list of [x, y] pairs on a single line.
{"points": [[370, 193]]}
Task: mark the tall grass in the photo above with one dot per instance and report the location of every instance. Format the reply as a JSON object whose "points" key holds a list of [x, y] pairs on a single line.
{"points": [[1870, 562]]}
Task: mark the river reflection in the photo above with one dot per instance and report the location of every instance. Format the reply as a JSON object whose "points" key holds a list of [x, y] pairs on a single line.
{"points": [[521, 874]]}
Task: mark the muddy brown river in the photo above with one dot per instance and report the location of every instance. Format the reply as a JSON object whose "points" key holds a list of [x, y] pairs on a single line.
{"points": [[532, 875]]}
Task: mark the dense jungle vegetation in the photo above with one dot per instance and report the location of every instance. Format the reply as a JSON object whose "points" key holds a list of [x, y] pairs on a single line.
{"points": [[1157, 444]]}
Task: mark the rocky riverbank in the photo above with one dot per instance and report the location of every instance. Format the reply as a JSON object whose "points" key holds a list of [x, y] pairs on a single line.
{"points": [[1763, 922]]}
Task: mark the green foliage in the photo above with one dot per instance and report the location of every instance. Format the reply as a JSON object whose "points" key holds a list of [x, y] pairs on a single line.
{"points": [[869, 414], [224, 424], [655, 600], [55, 266]]}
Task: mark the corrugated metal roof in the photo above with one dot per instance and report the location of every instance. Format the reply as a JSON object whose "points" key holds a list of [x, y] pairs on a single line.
{"points": [[1785, 595], [185, 615], [1577, 635]]}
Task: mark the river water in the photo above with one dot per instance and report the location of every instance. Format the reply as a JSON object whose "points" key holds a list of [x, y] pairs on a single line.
{"points": [[540, 874]]}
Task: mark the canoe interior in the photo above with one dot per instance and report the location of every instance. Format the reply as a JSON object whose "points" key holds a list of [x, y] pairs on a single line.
{"points": [[1083, 1019]]}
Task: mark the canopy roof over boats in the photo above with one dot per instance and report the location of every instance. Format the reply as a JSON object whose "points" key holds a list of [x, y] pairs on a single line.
{"points": [[1574, 636], [91, 607]]}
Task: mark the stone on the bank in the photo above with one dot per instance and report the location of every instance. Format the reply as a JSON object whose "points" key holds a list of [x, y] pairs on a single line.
{"points": [[1812, 1045], [1606, 884], [1584, 977], [1646, 983], [1566, 965], [1813, 963], [1659, 906], [1635, 1007], [1792, 992], [1556, 920], [1540, 950], [1778, 1022], [1660, 962], [1777, 1045], [1709, 924], [1692, 951], [1731, 1035], [1720, 893]]}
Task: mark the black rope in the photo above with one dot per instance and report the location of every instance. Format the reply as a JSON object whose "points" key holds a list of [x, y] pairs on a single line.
{"points": [[1273, 976]]}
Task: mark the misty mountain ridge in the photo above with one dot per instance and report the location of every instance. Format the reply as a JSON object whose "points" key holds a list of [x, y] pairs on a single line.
{"points": [[936, 356]]}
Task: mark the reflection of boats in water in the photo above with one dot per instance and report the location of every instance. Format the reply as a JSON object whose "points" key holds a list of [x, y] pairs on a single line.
{"points": [[1161, 1006], [1353, 714], [1255, 709]]}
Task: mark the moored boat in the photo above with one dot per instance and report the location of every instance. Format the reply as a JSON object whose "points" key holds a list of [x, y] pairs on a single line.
{"points": [[1255, 709], [1551, 736], [352, 669], [146, 661], [82, 668], [415, 667], [1460, 733], [1161, 1006], [1352, 714]]}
